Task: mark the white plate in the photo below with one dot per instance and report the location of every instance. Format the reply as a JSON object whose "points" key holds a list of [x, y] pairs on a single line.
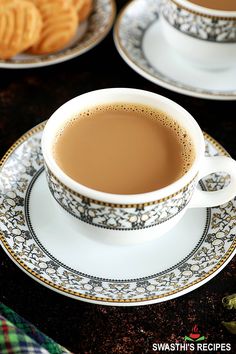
{"points": [[139, 40], [89, 34], [41, 241]]}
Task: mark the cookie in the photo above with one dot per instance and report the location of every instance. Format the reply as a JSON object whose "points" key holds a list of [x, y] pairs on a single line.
{"points": [[60, 23], [20, 26], [83, 8]]}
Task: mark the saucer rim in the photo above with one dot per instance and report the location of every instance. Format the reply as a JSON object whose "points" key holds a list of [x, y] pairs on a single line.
{"points": [[124, 53], [102, 300]]}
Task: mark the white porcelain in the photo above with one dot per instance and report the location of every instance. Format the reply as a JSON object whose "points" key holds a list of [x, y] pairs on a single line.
{"points": [[38, 238], [133, 218], [140, 42], [88, 35], [205, 37]]}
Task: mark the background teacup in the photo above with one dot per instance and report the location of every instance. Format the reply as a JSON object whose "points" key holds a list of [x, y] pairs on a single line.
{"points": [[205, 37], [131, 218]]}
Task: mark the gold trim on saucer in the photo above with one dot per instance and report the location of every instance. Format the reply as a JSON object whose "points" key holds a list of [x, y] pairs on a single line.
{"points": [[76, 294], [21, 140], [217, 145]]}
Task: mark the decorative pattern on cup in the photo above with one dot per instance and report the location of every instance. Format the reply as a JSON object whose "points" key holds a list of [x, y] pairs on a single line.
{"points": [[119, 216], [201, 26]]}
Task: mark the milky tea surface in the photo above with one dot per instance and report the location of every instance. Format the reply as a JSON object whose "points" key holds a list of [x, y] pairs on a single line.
{"points": [[226, 5], [123, 149]]}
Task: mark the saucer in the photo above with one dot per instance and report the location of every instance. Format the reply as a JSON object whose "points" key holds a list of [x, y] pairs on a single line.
{"points": [[88, 35], [38, 238], [139, 40]]}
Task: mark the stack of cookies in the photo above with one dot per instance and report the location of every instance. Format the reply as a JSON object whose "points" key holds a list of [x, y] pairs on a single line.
{"points": [[39, 26]]}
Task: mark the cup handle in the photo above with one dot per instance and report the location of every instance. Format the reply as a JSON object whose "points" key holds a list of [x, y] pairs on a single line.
{"points": [[210, 199]]}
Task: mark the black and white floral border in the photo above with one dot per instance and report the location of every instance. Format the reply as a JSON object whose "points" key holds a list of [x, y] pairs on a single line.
{"points": [[117, 217]]}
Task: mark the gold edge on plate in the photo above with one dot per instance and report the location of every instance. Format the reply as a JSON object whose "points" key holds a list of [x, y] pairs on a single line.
{"points": [[215, 143], [104, 299], [39, 127]]}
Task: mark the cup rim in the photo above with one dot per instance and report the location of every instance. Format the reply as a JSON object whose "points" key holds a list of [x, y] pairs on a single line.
{"points": [[105, 197], [189, 6]]}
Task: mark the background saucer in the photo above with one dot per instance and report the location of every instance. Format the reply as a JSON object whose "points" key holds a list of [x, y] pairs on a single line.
{"points": [[139, 40]]}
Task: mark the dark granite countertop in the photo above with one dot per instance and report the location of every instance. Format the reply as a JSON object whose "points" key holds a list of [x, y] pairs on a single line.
{"points": [[27, 97]]}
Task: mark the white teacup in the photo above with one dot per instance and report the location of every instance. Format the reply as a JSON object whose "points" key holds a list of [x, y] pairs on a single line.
{"points": [[137, 217], [205, 37]]}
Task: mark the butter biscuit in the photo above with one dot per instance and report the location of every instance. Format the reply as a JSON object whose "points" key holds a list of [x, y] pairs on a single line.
{"points": [[59, 25], [83, 8], [20, 26]]}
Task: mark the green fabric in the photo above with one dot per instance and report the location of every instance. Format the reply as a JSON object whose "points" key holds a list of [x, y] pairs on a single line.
{"points": [[18, 335], [14, 341]]}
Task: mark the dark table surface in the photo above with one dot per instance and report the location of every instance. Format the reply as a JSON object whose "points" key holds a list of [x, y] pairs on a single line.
{"points": [[27, 97]]}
